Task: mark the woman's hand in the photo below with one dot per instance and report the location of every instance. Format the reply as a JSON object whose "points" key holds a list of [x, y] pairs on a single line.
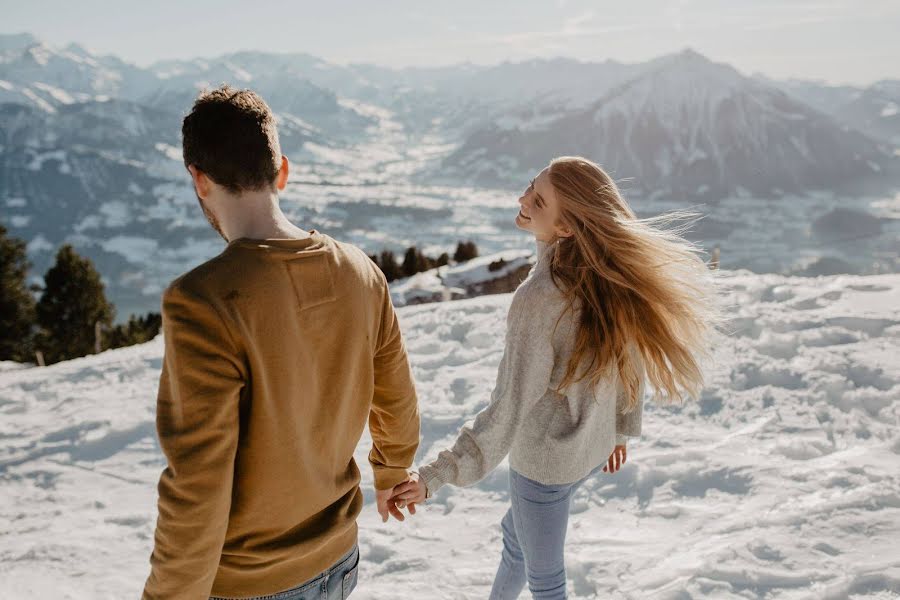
{"points": [[616, 460], [410, 493]]}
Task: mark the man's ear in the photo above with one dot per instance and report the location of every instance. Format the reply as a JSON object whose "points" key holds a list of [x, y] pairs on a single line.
{"points": [[281, 179], [201, 181]]}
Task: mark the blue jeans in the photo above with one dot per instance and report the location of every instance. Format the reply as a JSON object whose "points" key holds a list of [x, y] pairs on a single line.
{"points": [[335, 583], [534, 534]]}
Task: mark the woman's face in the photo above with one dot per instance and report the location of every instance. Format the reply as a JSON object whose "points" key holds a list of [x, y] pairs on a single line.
{"points": [[539, 209]]}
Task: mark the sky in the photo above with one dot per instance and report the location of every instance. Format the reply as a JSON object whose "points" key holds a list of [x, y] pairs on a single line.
{"points": [[836, 41]]}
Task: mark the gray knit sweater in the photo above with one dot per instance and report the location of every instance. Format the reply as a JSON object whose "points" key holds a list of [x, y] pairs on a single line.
{"points": [[550, 437]]}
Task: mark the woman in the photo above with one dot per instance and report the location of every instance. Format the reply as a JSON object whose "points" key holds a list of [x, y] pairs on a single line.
{"points": [[611, 301]]}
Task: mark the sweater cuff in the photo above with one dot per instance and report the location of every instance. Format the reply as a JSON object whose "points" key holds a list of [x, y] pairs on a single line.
{"points": [[432, 475], [621, 439], [387, 477]]}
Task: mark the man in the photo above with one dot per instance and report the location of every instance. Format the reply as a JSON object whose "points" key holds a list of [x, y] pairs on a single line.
{"points": [[277, 353]]}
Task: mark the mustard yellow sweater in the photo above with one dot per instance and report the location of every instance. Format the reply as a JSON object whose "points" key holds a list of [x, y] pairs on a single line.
{"points": [[277, 354]]}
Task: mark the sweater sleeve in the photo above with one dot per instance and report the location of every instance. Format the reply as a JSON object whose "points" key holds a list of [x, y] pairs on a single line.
{"points": [[394, 414], [523, 378], [197, 423], [629, 424]]}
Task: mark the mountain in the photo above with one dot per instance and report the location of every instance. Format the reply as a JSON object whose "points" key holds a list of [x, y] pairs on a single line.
{"points": [[90, 151], [458, 99], [874, 110], [37, 74], [685, 127]]}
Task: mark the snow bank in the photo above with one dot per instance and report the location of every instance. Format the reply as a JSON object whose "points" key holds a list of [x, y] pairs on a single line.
{"points": [[781, 482]]}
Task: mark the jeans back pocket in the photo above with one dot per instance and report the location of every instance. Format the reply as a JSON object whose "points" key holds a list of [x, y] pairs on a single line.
{"points": [[348, 584]]}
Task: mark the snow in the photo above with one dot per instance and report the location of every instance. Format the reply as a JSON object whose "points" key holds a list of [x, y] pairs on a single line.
{"points": [[115, 213], [478, 269], [780, 482], [57, 94], [9, 365], [170, 151], [37, 161], [136, 250], [450, 281], [425, 286], [39, 243], [40, 102], [889, 110], [134, 188]]}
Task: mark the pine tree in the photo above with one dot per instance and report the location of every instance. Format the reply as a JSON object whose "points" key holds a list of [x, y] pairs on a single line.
{"points": [[73, 300], [423, 263], [408, 267], [137, 330], [17, 306], [414, 261], [388, 264], [465, 251]]}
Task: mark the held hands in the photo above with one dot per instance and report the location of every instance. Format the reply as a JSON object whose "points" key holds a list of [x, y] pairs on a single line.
{"points": [[616, 459], [413, 490], [410, 493], [389, 502]]}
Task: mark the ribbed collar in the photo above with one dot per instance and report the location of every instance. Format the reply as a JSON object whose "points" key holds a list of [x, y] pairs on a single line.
{"points": [[543, 252], [282, 246]]}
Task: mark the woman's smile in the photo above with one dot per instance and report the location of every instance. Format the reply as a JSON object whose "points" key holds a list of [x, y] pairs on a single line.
{"points": [[523, 216]]}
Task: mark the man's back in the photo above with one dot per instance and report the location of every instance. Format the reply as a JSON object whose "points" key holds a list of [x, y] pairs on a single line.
{"points": [[277, 353]]}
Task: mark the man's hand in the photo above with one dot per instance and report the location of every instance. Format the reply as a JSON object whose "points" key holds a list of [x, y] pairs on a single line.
{"points": [[386, 502], [615, 462], [410, 493]]}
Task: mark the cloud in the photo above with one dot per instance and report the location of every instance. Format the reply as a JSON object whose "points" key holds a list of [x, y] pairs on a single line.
{"points": [[574, 23], [561, 35]]}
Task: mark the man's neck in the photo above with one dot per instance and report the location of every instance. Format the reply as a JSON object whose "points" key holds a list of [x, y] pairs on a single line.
{"points": [[262, 221], [258, 230]]}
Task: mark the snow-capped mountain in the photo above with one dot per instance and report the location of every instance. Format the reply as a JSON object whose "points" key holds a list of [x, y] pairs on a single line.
{"points": [[462, 97], [39, 75], [874, 110], [685, 127], [90, 152]]}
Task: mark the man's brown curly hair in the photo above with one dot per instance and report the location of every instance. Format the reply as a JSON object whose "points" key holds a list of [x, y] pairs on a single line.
{"points": [[230, 135]]}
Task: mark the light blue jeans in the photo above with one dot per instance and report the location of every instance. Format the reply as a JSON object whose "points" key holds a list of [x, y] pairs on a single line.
{"points": [[534, 536], [335, 583]]}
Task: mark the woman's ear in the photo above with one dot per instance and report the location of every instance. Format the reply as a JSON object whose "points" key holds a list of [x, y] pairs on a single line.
{"points": [[564, 231]]}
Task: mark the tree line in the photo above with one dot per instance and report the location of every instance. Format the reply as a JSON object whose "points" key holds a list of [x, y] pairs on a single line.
{"points": [[74, 318], [414, 261]]}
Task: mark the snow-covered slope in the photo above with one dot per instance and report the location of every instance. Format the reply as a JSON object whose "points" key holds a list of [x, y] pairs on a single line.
{"points": [[685, 127], [780, 483], [475, 277], [874, 110]]}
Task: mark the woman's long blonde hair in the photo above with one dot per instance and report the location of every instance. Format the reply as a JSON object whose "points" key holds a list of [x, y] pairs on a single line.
{"points": [[643, 288]]}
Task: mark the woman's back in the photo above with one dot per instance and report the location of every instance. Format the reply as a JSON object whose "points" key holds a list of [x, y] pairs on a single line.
{"points": [[551, 437], [567, 433]]}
